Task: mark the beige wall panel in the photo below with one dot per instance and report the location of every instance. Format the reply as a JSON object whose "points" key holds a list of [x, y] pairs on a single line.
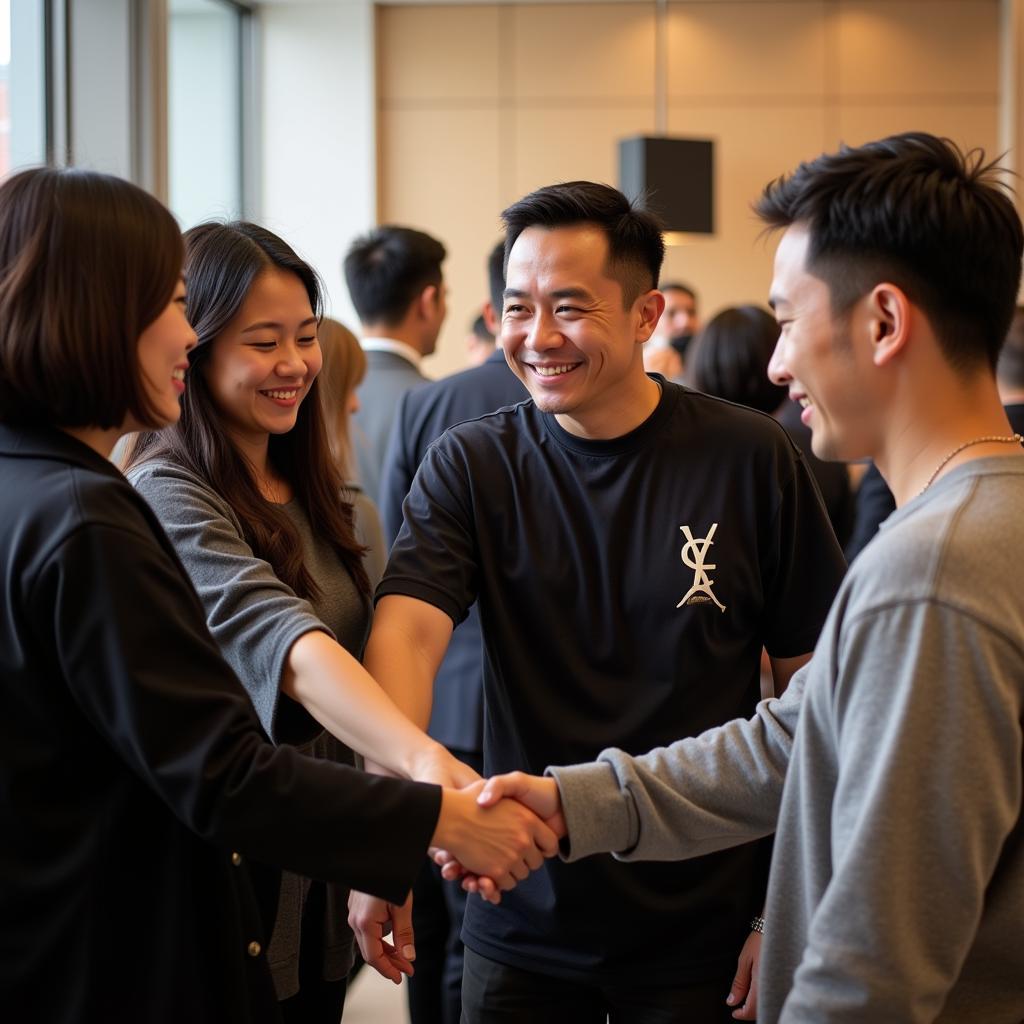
{"points": [[967, 125], [438, 52], [746, 49], [440, 174], [914, 48], [582, 51], [567, 144], [751, 148]]}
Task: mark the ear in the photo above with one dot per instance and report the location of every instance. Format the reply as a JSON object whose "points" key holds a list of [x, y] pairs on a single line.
{"points": [[492, 319], [889, 320], [650, 306], [426, 304]]}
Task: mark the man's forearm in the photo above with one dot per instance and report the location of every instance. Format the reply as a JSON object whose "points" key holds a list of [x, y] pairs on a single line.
{"points": [[697, 796], [406, 645]]}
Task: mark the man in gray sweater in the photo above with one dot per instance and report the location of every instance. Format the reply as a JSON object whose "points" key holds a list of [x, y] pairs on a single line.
{"points": [[891, 769]]}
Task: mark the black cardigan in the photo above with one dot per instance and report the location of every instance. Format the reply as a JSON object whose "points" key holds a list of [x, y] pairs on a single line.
{"points": [[137, 791]]}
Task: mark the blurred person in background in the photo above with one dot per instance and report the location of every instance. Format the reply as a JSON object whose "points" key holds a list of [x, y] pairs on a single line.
{"points": [[344, 366], [480, 341], [396, 283]]}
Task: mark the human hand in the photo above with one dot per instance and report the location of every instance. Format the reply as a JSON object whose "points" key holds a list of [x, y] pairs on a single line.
{"points": [[540, 795], [371, 919], [743, 994], [502, 843]]}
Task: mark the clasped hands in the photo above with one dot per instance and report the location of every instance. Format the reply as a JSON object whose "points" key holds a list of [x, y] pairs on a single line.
{"points": [[539, 796], [491, 835]]}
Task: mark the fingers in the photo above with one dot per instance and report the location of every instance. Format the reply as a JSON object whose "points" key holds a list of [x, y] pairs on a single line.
{"points": [[401, 929], [500, 786], [743, 992], [539, 794], [370, 920]]}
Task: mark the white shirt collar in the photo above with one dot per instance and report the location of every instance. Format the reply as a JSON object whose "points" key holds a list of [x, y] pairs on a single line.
{"points": [[399, 348]]}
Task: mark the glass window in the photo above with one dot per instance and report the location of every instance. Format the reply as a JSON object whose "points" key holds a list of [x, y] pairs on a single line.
{"points": [[205, 110], [22, 85]]}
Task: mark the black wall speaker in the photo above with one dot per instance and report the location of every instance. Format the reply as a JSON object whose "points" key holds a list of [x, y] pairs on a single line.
{"points": [[674, 177]]}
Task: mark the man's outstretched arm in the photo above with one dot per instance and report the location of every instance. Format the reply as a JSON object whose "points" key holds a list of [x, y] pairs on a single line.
{"points": [[699, 795]]}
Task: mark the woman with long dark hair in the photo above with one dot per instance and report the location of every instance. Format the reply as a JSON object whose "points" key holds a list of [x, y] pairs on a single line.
{"points": [[248, 491], [137, 791]]}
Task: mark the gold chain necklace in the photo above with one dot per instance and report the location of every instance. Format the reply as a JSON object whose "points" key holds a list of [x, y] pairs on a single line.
{"points": [[1012, 439]]}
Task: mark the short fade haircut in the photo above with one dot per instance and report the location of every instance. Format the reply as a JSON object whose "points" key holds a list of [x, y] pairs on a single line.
{"points": [[496, 278], [636, 248], [87, 263], [387, 268], [914, 210], [1010, 369]]}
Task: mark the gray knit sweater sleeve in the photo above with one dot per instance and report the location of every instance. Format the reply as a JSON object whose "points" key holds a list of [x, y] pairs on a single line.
{"points": [[254, 617], [699, 795]]}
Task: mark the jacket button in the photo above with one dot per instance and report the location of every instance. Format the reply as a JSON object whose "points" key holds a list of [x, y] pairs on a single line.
{"points": [[254, 949], [236, 859]]}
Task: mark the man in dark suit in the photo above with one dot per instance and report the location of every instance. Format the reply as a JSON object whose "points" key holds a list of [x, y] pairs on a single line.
{"points": [[394, 278], [457, 716]]}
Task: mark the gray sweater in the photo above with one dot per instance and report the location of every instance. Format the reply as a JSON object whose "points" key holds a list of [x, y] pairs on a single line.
{"points": [[255, 619], [893, 769]]}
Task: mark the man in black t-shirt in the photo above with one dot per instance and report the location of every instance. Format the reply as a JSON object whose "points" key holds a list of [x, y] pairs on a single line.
{"points": [[631, 546]]}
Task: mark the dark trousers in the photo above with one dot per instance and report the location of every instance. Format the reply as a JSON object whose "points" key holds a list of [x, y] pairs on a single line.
{"points": [[494, 993], [317, 1001], [435, 989]]}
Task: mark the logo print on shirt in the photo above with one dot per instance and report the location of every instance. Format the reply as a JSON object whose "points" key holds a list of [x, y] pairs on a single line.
{"points": [[694, 552]]}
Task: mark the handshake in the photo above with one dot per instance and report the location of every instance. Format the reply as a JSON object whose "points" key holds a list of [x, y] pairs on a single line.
{"points": [[491, 834]]}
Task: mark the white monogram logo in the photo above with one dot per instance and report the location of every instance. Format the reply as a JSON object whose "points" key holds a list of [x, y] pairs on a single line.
{"points": [[694, 552]]}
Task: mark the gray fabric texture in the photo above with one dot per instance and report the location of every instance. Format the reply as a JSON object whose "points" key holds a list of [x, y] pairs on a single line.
{"points": [[255, 619], [897, 884]]}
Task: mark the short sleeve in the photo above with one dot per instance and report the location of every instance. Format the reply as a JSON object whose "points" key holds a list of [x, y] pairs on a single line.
{"points": [[805, 566], [435, 558]]}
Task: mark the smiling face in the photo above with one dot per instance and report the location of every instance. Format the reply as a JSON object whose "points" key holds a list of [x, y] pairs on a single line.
{"points": [[264, 362], [823, 360], [163, 360], [565, 332]]}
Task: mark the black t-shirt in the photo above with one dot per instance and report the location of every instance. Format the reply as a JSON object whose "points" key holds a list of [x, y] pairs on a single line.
{"points": [[625, 589]]}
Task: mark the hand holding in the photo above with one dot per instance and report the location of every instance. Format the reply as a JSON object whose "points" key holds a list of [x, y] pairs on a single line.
{"points": [[504, 842], [540, 795], [371, 919]]}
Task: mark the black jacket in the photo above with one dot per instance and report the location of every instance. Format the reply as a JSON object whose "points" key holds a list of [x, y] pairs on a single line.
{"points": [[137, 790]]}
